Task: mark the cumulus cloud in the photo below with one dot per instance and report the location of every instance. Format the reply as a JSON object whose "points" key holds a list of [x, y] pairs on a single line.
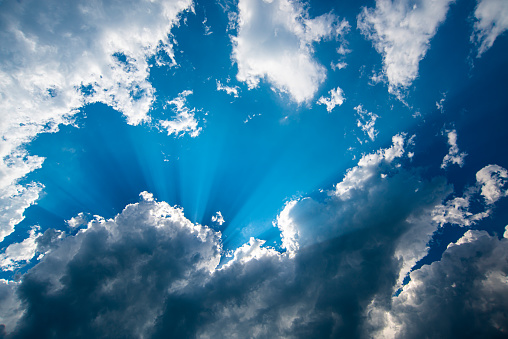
{"points": [[18, 253], [112, 278], [274, 42], [401, 31], [462, 295], [454, 156], [336, 98], [366, 121], [151, 273], [491, 21], [184, 121], [493, 182], [55, 58]]}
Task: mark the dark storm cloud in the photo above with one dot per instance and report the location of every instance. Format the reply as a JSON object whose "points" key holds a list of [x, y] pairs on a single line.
{"points": [[151, 273], [465, 295]]}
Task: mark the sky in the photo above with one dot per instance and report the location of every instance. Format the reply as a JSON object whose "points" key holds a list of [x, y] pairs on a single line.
{"points": [[253, 169]]}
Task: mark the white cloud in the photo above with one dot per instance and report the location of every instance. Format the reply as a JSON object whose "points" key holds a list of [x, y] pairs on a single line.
{"points": [[274, 43], [490, 183], [366, 121], [184, 120], [228, 89], [491, 21], [401, 31], [79, 220], [14, 199], [453, 156], [55, 58], [336, 98], [252, 250], [368, 166], [493, 182], [218, 218], [305, 221], [17, 254]]}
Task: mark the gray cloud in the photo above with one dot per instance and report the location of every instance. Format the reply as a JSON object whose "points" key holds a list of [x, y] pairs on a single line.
{"points": [[151, 273]]}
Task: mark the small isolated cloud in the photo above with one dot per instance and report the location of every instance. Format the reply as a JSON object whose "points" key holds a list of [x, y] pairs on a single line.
{"points": [[440, 103], [336, 98], [491, 21], [228, 89], [274, 43], [184, 121], [218, 218], [454, 156], [401, 31], [366, 121]]}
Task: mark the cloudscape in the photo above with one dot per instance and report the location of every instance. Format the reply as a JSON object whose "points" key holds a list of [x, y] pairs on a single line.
{"points": [[253, 169]]}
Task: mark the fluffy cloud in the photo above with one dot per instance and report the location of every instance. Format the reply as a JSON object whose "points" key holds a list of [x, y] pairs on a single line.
{"points": [[453, 156], [366, 121], [18, 253], [112, 278], [336, 98], [184, 121], [401, 31], [462, 295], [57, 57], [274, 42], [150, 272], [491, 21]]}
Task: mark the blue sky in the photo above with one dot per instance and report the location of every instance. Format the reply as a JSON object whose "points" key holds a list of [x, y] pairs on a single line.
{"points": [[277, 168]]}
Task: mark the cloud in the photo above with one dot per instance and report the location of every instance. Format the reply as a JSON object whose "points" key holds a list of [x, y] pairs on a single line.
{"points": [[453, 156], [184, 120], [401, 31], [150, 272], [336, 98], [218, 218], [462, 295], [14, 199], [366, 121], [493, 180], [18, 253], [112, 278], [491, 21], [228, 89], [10, 306], [274, 42], [56, 58]]}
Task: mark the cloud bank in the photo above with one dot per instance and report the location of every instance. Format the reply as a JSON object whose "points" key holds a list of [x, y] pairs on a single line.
{"points": [[150, 272]]}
